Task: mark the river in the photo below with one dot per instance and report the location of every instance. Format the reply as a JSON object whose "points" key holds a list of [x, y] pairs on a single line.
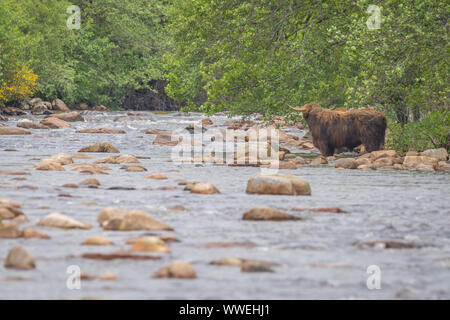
{"points": [[317, 256]]}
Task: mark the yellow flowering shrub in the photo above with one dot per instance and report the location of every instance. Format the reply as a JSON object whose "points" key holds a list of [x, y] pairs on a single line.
{"points": [[20, 83]]}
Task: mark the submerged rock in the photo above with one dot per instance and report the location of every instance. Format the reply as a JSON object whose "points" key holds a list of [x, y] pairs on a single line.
{"points": [[19, 258], [55, 123], [104, 147], [390, 244], [157, 176], [267, 213], [118, 255], [31, 125], [120, 219], [108, 276], [89, 168], [278, 184], [97, 241], [58, 220], [69, 116], [246, 265], [125, 158], [329, 210], [90, 182], [134, 168], [177, 269], [102, 130], [255, 266], [13, 172], [13, 131]]}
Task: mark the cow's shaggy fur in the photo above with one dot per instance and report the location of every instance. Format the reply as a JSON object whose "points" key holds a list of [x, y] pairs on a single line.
{"points": [[332, 129]]}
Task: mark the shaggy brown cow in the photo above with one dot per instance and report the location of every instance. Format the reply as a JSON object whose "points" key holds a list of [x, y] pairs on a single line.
{"points": [[333, 129]]}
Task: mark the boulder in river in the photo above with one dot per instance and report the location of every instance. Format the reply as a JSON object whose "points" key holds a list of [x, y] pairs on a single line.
{"points": [[267, 214], [62, 158], [177, 269], [443, 166], [9, 209], [157, 176], [346, 163], [150, 244], [165, 140], [204, 188], [255, 266], [90, 182], [374, 155], [248, 265], [31, 125], [420, 162], [278, 184], [318, 161], [102, 130], [9, 231], [55, 123], [384, 162], [124, 158], [90, 168], [29, 233], [100, 107], [96, 241], [134, 168], [49, 165], [104, 147], [58, 220], [59, 105], [83, 106], [69, 116], [13, 131], [120, 219], [441, 154], [19, 258]]}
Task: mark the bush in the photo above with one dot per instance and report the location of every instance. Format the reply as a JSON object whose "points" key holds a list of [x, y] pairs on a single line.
{"points": [[433, 131], [18, 85]]}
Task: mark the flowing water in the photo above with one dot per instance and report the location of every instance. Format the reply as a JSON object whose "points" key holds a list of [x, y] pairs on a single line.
{"points": [[317, 255]]}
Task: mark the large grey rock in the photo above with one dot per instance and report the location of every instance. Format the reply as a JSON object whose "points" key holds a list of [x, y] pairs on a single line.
{"points": [[19, 258], [278, 184]]}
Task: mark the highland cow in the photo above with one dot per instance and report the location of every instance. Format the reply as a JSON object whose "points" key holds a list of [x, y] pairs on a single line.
{"points": [[332, 129]]}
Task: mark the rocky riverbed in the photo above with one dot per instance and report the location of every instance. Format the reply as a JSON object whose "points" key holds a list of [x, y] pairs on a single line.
{"points": [[99, 192]]}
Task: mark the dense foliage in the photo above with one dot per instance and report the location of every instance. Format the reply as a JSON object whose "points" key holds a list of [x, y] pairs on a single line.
{"points": [[244, 56], [259, 56], [117, 49]]}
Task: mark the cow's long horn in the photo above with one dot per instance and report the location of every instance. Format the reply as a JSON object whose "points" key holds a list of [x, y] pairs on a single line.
{"points": [[297, 108]]}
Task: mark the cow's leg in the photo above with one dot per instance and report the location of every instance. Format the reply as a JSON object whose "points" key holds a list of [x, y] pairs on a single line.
{"points": [[325, 149]]}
